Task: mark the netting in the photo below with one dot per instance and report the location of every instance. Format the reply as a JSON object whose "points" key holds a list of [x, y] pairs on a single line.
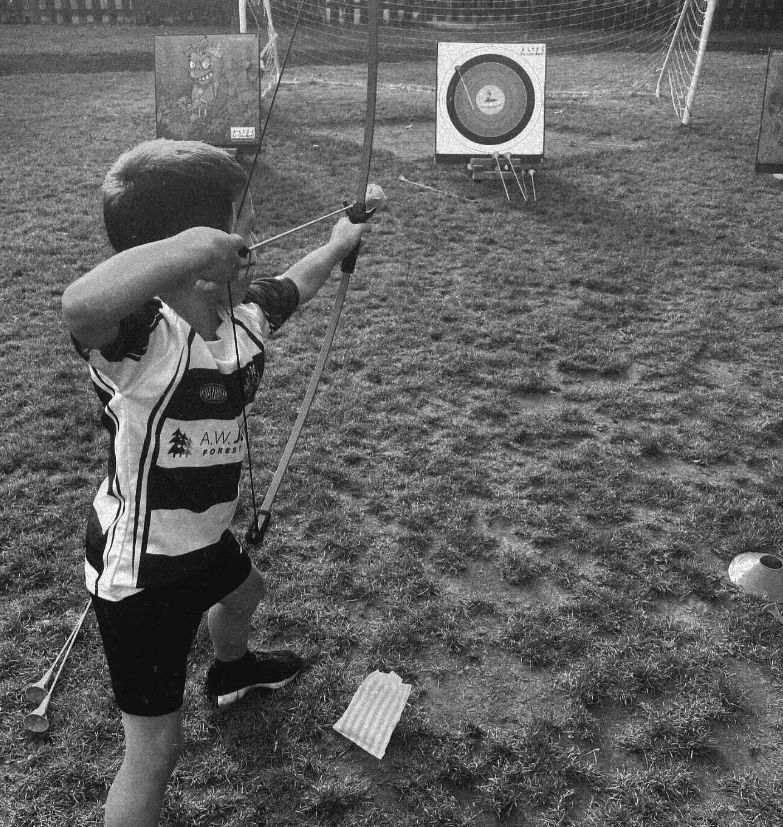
{"points": [[637, 33], [686, 51], [261, 12]]}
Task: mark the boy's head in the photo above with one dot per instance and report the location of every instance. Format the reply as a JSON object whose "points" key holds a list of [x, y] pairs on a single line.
{"points": [[162, 187]]}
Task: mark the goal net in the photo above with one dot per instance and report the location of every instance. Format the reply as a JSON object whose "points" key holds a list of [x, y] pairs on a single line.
{"points": [[685, 55], [594, 47], [260, 11]]}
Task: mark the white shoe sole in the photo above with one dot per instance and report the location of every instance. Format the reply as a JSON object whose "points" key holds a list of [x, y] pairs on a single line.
{"points": [[232, 697]]}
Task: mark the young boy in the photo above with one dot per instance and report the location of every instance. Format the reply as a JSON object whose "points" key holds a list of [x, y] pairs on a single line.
{"points": [[154, 323]]}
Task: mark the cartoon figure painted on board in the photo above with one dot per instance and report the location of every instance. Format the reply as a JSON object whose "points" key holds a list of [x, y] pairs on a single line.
{"points": [[205, 74]]}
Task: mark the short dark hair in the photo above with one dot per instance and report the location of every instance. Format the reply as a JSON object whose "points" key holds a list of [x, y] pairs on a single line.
{"points": [[160, 188]]}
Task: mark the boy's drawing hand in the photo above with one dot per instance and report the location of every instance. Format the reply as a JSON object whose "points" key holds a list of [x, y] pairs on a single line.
{"points": [[214, 257]]}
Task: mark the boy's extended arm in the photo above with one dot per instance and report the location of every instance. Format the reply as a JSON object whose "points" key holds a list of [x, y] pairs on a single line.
{"points": [[310, 272], [96, 303]]}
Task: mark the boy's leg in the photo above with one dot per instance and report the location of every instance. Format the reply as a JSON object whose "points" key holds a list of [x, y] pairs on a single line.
{"points": [[152, 746], [146, 638], [229, 620], [236, 670]]}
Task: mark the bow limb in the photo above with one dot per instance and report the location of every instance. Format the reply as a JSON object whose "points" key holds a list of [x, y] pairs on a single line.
{"points": [[358, 213]]}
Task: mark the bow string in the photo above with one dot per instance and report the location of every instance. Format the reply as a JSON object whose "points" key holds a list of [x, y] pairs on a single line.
{"points": [[358, 214]]}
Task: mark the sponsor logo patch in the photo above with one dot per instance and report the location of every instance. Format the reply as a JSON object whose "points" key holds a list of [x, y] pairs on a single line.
{"points": [[201, 444], [213, 393]]}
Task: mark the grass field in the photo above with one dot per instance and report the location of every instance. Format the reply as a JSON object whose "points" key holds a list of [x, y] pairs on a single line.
{"points": [[542, 436]]}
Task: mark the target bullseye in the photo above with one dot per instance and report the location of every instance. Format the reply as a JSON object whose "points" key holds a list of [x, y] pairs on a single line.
{"points": [[491, 100]]}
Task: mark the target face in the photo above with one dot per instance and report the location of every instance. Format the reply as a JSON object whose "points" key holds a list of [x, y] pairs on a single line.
{"points": [[490, 99]]}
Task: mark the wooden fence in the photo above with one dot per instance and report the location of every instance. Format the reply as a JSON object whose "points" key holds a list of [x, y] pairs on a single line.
{"points": [[66, 11], [74, 12], [730, 15]]}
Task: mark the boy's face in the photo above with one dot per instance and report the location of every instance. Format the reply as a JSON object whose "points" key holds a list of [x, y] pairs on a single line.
{"points": [[244, 224]]}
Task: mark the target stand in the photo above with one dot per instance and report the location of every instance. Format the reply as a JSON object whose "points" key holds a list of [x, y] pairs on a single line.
{"points": [[490, 108]]}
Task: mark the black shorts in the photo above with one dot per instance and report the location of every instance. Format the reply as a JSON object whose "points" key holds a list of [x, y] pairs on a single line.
{"points": [[147, 637]]}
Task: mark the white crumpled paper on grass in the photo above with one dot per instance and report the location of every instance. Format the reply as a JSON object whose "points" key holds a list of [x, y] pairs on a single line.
{"points": [[374, 712]]}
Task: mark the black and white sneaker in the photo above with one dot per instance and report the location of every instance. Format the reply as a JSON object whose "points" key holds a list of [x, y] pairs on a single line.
{"points": [[228, 682]]}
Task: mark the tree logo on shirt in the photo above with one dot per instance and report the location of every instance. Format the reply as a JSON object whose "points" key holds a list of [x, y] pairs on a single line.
{"points": [[180, 444]]}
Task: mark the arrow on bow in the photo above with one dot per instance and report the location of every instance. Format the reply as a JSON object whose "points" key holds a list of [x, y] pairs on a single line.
{"points": [[358, 213]]}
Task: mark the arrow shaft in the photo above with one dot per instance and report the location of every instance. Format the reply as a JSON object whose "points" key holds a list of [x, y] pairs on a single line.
{"points": [[274, 238]]}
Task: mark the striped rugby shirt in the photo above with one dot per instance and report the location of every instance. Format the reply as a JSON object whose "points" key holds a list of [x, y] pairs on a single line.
{"points": [[173, 410]]}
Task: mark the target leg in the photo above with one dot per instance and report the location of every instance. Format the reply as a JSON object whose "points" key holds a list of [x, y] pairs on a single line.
{"points": [[520, 184], [500, 173]]}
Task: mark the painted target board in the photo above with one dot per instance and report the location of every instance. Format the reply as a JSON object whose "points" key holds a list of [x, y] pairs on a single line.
{"points": [[490, 100], [207, 88]]}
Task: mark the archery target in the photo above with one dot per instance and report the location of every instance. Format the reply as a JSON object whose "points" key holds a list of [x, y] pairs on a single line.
{"points": [[490, 99]]}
